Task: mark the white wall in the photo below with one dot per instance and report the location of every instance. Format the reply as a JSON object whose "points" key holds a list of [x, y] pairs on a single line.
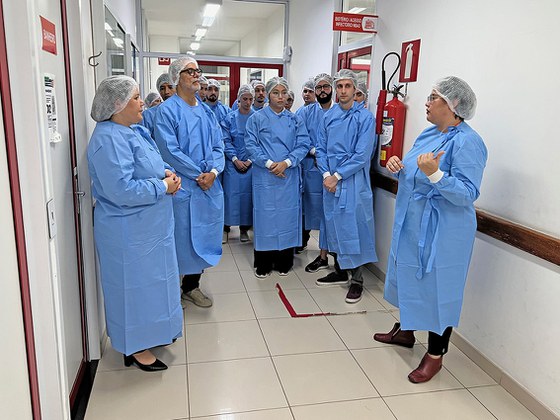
{"points": [[506, 50], [311, 38], [265, 40]]}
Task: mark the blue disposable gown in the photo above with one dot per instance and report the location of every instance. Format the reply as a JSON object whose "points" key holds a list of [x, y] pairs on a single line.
{"points": [[345, 145], [276, 201], [148, 116], [312, 177], [133, 229], [190, 139], [220, 110], [238, 196], [434, 229]]}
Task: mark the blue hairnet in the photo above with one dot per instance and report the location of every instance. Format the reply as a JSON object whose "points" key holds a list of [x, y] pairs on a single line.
{"points": [[177, 66], [275, 81], [459, 96], [112, 96]]}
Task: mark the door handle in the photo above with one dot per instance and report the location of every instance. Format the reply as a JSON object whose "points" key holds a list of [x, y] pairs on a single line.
{"points": [[80, 193]]}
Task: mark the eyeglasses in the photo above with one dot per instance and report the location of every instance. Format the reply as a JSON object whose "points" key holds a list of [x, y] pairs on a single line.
{"points": [[433, 98], [323, 87], [192, 72]]}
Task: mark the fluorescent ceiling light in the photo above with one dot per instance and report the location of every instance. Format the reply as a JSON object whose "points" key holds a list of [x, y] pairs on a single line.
{"points": [[208, 21], [200, 32], [211, 10], [356, 9], [195, 46]]}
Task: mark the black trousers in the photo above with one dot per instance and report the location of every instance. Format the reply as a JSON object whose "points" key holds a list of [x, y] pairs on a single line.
{"points": [[438, 345], [266, 261], [190, 282]]}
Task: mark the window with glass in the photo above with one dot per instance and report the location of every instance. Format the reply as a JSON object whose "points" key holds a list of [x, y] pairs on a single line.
{"points": [[114, 41], [362, 7], [231, 28]]}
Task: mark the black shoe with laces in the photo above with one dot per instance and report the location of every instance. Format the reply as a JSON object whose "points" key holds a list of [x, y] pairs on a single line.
{"points": [[333, 279], [317, 264]]}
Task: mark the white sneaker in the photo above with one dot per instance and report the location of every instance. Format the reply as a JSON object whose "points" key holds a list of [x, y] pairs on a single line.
{"points": [[224, 238], [197, 297], [262, 276], [244, 236], [281, 273]]}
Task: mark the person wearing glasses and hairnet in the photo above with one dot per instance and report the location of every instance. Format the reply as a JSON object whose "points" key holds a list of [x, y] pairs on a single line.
{"points": [[345, 145], [133, 226], [435, 224], [277, 141], [237, 175], [190, 139]]}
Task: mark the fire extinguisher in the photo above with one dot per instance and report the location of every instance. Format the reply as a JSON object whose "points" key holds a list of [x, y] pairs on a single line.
{"points": [[390, 117]]}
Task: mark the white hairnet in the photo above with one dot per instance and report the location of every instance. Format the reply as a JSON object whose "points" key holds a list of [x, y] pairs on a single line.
{"points": [[112, 96], [243, 89], [215, 83], [310, 84], [275, 81], [256, 83], [322, 76], [291, 94], [459, 96], [346, 74], [152, 96], [177, 66], [362, 88], [202, 80], [164, 78]]}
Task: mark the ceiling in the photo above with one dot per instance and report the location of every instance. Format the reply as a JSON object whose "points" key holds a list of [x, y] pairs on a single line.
{"points": [[235, 20]]}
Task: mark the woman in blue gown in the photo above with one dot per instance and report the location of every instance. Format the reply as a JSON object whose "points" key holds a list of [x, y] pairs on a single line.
{"points": [[277, 141], [435, 224], [238, 173], [133, 226]]}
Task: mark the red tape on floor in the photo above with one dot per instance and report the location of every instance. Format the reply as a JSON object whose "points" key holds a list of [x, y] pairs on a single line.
{"points": [[294, 314]]}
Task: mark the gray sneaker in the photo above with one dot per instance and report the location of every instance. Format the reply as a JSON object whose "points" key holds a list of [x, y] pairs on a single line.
{"points": [[197, 297]]}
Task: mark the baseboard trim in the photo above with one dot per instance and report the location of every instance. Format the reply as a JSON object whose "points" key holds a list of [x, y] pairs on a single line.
{"points": [[518, 391]]}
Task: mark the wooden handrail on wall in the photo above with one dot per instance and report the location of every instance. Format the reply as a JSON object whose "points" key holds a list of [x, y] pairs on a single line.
{"points": [[528, 240]]}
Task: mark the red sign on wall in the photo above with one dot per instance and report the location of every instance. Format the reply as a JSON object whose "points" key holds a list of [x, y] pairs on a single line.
{"points": [[410, 54], [48, 33], [164, 61], [352, 22]]}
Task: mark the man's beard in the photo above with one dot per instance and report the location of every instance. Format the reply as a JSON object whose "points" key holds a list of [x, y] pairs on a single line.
{"points": [[212, 98], [324, 100]]}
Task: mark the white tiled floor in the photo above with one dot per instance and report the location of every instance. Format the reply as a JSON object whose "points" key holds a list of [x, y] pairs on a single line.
{"points": [[247, 359]]}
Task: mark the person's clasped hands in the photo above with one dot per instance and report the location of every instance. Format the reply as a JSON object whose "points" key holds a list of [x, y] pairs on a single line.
{"points": [[173, 182]]}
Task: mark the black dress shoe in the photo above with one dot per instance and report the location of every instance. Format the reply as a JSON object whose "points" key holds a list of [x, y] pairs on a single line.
{"points": [[157, 365], [396, 336]]}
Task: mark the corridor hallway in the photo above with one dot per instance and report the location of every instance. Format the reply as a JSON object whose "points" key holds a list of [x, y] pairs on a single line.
{"points": [[247, 359]]}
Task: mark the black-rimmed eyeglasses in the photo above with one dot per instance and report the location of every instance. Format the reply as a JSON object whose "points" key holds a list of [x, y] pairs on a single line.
{"points": [[192, 72]]}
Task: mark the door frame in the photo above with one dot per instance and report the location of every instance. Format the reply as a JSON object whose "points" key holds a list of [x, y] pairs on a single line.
{"points": [[234, 73], [19, 228]]}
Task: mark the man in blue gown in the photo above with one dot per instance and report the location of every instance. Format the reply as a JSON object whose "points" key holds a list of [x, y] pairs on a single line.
{"points": [[212, 100], [190, 140], [313, 217], [345, 146]]}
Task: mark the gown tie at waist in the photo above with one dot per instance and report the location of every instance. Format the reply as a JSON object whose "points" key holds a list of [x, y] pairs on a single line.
{"points": [[431, 209]]}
